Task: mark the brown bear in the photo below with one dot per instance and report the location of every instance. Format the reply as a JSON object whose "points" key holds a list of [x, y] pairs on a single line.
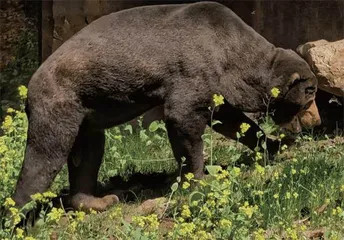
{"points": [[128, 62]]}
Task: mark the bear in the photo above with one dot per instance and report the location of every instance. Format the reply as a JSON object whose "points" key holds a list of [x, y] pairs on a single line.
{"points": [[125, 63]]}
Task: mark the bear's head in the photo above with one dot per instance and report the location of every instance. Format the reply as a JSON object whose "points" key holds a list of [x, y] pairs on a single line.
{"points": [[295, 106]]}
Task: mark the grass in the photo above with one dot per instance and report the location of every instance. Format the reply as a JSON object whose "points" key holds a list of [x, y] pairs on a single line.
{"points": [[299, 196]]}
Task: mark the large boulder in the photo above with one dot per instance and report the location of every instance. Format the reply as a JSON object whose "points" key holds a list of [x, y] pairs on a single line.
{"points": [[326, 60]]}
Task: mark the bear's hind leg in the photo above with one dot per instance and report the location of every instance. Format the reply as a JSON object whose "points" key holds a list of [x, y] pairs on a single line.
{"points": [[185, 127], [83, 165]]}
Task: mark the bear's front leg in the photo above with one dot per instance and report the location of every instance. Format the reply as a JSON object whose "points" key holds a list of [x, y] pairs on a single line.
{"points": [[231, 119]]}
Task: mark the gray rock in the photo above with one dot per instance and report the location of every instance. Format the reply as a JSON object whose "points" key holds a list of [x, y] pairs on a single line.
{"points": [[326, 60]]}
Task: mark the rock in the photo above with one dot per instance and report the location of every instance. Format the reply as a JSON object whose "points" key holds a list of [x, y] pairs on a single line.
{"points": [[151, 206], [326, 60]]}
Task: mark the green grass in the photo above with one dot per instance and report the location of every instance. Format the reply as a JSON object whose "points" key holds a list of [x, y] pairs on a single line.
{"points": [[300, 194]]}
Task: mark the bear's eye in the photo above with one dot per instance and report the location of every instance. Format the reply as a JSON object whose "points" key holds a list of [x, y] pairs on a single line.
{"points": [[310, 90]]}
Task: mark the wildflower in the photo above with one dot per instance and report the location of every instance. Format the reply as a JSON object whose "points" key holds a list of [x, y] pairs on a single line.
{"points": [[22, 92], [19, 233], [247, 209], [259, 234], [49, 195], [284, 147], [288, 195], [276, 196], [7, 122], [259, 156], [293, 171], [186, 185], [202, 235], [259, 193], [9, 202], [55, 214], [276, 175], [236, 171], [187, 229], [202, 183], [10, 110], [225, 223], [116, 213], [260, 169], [291, 233], [244, 127], [189, 176], [138, 220], [37, 197], [342, 188], [93, 211], [282, 136], [186, 213], [275, 92], [80, 216], [206, 211], [218, 100], [15, 215], [295, 194], [303, 227], [294, 160]]}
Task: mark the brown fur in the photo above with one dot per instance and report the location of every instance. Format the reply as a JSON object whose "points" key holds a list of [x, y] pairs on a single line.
{"points": [[128, 62]]}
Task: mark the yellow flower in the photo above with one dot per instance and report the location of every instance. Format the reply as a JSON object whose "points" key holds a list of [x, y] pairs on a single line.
{"points": [[276, 175], [276, 195], [189, 176], [55, 214], [49, 195], [275, 92], [236, 171], [9, 202], [259, 156], [260, 234], [342, 188], [259, 193], [218, 100], [295, 194], [10, 110], [284, 147], [288, 195], [22, 92], [19, 233], [282, 136], [29, 238], [80, 216], [244, 127], [138, 220], [116, 213], [7, 122], [187, 229], [186, 185], [225, 223], [186, 213], [247, 209], [291, 233], [260, 169], [293, 171]]}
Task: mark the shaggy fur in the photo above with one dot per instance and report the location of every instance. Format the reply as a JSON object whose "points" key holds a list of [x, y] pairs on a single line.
{"points": [[128, 62]]}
